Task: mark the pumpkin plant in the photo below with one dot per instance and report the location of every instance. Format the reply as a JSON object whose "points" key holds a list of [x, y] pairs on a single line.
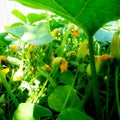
{"points": [[90, 16]]}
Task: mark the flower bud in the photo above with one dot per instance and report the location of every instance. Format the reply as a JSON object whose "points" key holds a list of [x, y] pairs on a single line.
{"points": [[61, 62], [83, 49], [115, 46]]}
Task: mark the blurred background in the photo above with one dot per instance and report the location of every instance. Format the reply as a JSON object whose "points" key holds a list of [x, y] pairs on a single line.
{"points": [[6, 17]]}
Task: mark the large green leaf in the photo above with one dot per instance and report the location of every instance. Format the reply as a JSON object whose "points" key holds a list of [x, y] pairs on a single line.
{"points": [[89, 14], [63, 97], [39, 34], [16, 29], [30, 111], [73, 114], [66, 77]]}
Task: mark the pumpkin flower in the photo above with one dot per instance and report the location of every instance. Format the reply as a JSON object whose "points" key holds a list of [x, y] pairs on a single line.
{"points": [[105, 57], [63, 65], [56, 61], [46, 67], [83, 49], [4, 72], [98, 61], [62, 62], [2, 58], [75, 33], [54, 32], [71, 53], [97, 65], [14, 48], [115, 45]]}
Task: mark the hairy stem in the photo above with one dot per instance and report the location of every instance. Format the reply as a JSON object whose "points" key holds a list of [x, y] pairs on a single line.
{"points": [[93, 84], [117, 90]]}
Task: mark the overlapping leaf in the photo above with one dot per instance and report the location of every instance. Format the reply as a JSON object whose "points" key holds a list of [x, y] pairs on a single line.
{"points": [[89, 14]]}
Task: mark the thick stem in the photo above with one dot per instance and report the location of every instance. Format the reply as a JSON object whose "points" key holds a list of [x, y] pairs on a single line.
{"points": [[94, 83], [107, 94], [117, 90]]}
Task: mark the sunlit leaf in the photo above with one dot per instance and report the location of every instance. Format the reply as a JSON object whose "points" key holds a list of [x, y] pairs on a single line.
{"points": [[17, 29], [19, 15], [57, 23], [89, 14], [57, 99], [73, 114], [30, 111], [38, 35], [33, 17]]}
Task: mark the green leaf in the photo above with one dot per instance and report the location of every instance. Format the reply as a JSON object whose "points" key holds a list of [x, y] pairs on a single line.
{"points": [[57, 99], [3, 40], [19, 15], [73, 114], [33, 17], [30, 111], [81, 68], [66, 77], [39, 34], [2, 98], [3, 35], [89, 14], [16, 29], [57, 23]]}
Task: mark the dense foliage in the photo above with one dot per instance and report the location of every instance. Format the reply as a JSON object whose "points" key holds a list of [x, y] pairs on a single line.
{"points": [[54, 69]]}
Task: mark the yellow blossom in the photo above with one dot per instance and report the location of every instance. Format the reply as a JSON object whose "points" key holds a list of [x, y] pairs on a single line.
{"points": [[105, 57], [46, 67], [83, 49], [5, 71], [98, 61], [115, 45], [56, 61], [54, 32], [14, 48], [63, 65], [2, 58], [76, 33], [62, 62], [97, 65], [71, 53]]}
